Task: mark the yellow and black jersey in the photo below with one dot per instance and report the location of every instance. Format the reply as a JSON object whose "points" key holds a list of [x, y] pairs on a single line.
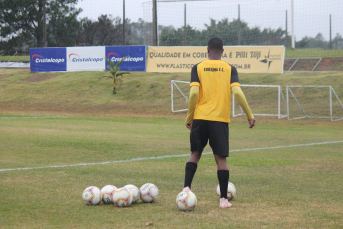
{"points": [[215, 79]]}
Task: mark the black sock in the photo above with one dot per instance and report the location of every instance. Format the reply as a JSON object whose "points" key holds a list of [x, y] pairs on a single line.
{"points": [[191, 168], [223, 178]]}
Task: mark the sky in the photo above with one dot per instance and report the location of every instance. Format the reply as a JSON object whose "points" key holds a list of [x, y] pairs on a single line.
{"points": [[310, 16]]}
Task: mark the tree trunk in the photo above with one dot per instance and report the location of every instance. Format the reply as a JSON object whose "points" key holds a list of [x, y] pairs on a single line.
{"points": [[39, 31]]}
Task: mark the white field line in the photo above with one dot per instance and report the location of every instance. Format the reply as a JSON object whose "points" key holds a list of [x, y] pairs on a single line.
{"points": [[166, 156], [30, 117]]}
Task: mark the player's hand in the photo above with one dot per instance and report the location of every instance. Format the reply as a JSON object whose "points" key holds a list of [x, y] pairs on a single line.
{"points": [[189, 126], [252, 123]]}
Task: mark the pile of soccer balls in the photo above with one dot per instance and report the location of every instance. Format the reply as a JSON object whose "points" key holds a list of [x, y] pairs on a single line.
{"points": [[148, 193], [187, 201], [121, 197]]}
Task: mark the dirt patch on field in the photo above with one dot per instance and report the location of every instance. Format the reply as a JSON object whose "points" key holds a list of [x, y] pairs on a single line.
{"points": [[177, 77], [331, 64], [326, 64], [38, 77], [5, 75]]}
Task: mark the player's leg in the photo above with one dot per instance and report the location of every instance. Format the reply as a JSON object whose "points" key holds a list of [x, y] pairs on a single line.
{"points": [[198, 140], [191, 168], [219, 142], [223, 178]]}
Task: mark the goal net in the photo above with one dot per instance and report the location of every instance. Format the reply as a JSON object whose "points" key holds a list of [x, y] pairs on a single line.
{"points": [[179, 95], [263, 100], [313, 101]]}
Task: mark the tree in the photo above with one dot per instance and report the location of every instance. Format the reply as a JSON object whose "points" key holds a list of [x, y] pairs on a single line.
{"points": [[310, 42], [139, 33], [175, 37], [87, 33], [104, 31], [227, 31], [114, 71], [24, 19], [337, 42], [303, 43], [318, 42], [63, 25]]}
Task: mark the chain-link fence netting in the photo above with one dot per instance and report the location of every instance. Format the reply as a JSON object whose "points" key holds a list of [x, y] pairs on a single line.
{"points": [[315, 25]]}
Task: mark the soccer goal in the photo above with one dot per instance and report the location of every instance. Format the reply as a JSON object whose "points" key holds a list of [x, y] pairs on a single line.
{"points": [[313, 101], [179, 95], [263, 100]]}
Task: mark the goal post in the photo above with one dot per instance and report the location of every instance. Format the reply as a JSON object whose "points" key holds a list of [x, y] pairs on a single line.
{"points": [[309, 101], [179, 95], [313, 101], [263, 100]]}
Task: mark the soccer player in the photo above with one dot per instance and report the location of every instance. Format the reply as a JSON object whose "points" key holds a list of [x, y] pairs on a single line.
{"points": [[209, 113]]}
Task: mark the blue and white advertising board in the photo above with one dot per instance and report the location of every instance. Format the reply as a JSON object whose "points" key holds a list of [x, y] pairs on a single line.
{"points": [[92, 58], [86, 58], [48, 59], [136, 60]]}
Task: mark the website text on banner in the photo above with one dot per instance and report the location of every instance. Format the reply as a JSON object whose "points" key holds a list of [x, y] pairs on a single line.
{"points": [[247, 59]]}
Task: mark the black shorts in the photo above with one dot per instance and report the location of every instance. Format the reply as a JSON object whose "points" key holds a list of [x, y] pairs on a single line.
{"points": [[216, 132]]}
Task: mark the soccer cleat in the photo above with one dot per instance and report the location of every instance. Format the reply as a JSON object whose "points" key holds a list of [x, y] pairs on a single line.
{"points": [[186, 189], [224, 203], [114, 91]]}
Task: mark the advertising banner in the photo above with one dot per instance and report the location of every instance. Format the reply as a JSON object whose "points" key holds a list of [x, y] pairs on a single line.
{"points": [[136, 60], [48, 59], [247, 59], [86, 58]]}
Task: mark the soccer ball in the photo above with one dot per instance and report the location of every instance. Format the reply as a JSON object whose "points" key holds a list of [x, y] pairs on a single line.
{"points": [[91, 195], [186, 201], [149, 193], [107, 193], [134, 191], [122, 197], [231, 191]]}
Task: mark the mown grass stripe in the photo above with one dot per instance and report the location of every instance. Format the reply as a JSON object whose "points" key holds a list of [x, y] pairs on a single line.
{"points": [[166, 156]]}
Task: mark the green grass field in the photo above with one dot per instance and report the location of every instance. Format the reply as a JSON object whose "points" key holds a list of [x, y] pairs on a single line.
{"points": [[324, 53], [295, 187], [15, 58], [72, 121]]}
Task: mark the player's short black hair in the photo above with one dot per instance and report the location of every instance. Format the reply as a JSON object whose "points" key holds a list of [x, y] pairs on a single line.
{"points": [[215, 43]]}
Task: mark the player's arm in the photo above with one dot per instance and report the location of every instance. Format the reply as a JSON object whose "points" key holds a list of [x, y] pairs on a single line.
{"points": [[192, 102], [193, 96], [240, 97]]}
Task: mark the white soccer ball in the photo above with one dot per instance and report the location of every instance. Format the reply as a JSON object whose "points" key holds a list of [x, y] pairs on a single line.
{"points": [[149, 193], [122, 197], [231, 191], [107, 193], [91, 195], [186, 201], [134, 191]]}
